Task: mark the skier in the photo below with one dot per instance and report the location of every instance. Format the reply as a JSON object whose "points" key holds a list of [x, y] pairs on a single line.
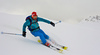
{"points": [[34, 28]]}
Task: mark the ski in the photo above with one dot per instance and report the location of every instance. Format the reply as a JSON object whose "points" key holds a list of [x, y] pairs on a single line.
{"points": [[63, 47], [56, 44], [52, 47], [56, 49]]}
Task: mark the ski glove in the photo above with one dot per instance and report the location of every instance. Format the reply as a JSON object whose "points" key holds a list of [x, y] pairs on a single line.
{"points": [[24, 34], [53, 24]]}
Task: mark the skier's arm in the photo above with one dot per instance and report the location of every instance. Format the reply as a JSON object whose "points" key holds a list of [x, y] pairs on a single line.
{"points": [[24, 27], [46, 21], [27, 23], [43, 20]]}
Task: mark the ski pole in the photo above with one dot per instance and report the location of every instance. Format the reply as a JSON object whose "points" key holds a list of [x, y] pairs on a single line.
{"points": [[11, 33], [58, 22]]}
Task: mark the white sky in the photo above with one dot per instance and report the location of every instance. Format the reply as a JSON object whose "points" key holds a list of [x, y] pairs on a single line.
{"points": [[53, 9]]}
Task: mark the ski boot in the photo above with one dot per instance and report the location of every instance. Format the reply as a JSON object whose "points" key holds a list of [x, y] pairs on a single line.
{"points": [[46, 44]]}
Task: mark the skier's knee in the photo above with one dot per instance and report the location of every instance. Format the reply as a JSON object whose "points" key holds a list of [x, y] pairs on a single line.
{"points": [[47, 37]]}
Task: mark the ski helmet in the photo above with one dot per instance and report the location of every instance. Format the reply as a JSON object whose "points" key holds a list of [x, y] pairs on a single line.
{"points": [[34, 14]]}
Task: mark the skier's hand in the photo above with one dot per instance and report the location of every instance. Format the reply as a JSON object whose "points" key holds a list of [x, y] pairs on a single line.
{"points": [[53, 24], [24, 34]]}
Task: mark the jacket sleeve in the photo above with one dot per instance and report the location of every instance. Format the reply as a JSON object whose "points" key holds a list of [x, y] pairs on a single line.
{"points": [[44, 20], [27, 23]]}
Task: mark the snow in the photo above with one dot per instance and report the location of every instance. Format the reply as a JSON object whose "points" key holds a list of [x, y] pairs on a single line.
{"points": [[82, 38]]}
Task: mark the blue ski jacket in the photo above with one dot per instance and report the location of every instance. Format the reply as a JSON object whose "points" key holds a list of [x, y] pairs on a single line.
{"points": [[34, 24]]}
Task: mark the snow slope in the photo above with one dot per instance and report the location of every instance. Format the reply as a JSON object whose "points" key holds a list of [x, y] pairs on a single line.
{"points": [[82, 38]]}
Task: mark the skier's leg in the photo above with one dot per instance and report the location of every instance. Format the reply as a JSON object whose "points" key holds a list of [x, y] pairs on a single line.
{"points": [[40, 35], [43, 39], [48, 38], [45, 35]]}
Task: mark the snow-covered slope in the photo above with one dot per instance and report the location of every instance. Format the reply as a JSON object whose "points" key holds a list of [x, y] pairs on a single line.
{"points": [[82, 38]]}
